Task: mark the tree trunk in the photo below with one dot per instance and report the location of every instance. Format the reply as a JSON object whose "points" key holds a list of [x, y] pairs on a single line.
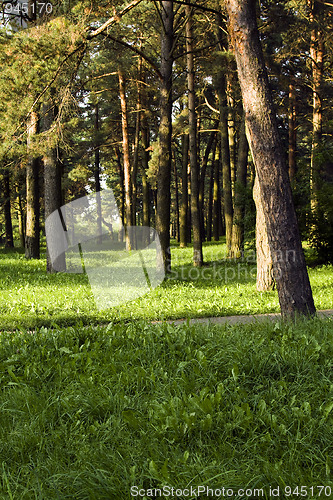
{"points": [[216, 201], [9, 241], [184, 199], [97, 174], [21, 218], [32, 241], [290, 271], [237, 246], [210, 195], [209, 147], [177, 200], [265, 275], [52, 190], [127, 161], [121, 184], [317, 56], [136, 142], [192, 118], [165, 133], [292, 134], [145, 166]]}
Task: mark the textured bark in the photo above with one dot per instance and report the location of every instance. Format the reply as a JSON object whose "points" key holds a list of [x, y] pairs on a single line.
{"points": [[165, 132], [9, 240], [32, 239], [184, 199], [192, 118], [237, 246], [121, 184], [127, 161], [291, 275], [52, 189], [177, 200], [21, 219], [292, 134], [265, 275]]}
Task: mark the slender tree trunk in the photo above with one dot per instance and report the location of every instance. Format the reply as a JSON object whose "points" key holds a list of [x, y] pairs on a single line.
{"points": [[21, 218], [216, 201], [52, 190], [97, 174], [165, 134], [317, 56], [231, 123], [127, 162], [209, 146], [184, 201], [136, 142], [225, 147], [292, 134], [145, 166], [121, 184], [192, 118], [32, 239], [177, 201], [237, 247], [9, 241], [291, 275], [210, 195]]}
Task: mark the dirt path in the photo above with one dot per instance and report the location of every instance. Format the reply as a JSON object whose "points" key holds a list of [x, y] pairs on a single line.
{"points": [[251, 318]]}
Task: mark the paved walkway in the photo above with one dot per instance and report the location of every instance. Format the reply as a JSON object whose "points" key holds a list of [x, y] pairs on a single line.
{"points": [[251, 318]]}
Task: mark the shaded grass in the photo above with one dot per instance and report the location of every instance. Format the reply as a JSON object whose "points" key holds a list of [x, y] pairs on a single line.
{"points": [[29, 297], [86, 413]]}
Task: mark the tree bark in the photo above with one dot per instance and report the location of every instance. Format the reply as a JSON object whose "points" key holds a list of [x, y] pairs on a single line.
{"points": [[192, 118], [32, 238], [52, 189], [216, 201], [237, 245], [265, 274], [294, 290], [165, 134], [9, 240], [136, 142]]}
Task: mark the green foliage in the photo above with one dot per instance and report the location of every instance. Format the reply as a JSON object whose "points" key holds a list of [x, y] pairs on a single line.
{"points": [[321, 234], [89, 412]]}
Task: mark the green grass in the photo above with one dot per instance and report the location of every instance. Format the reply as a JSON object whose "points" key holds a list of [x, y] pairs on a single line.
{"points": [[87, 413], [29, 297]]}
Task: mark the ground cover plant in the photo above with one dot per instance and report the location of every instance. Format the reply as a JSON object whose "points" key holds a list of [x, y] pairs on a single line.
{"points": [[88, 413], [30, 297]]}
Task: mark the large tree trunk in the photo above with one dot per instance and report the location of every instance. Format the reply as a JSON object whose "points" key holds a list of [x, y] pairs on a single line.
{"points": [[184, 200], [165, 133], [237, 245], [52, 190], [127, 162], [292, 279], [192, 118], [9, 242], [265, 274], [32, 244]]}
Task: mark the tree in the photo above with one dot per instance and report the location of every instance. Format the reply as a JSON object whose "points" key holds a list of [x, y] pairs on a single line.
{"points": [[295, 295], [165, 133], [192, 118], [32, 186]]}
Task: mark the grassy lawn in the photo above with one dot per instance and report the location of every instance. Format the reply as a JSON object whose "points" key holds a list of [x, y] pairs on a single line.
{"points": [[90, 413], [29, 297]]}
